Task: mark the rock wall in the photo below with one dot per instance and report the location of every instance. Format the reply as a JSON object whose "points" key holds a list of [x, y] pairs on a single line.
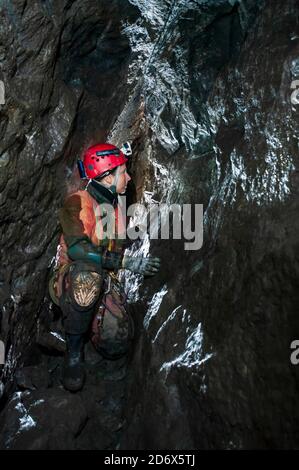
{"points": [[215, 355], [202, 89], [58, 60]]}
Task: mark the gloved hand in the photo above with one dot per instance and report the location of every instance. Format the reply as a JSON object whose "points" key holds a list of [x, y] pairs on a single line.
{"points": [[140, 265]]}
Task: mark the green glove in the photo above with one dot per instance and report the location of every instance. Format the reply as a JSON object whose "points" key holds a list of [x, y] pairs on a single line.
{"points": [[140, 265]]}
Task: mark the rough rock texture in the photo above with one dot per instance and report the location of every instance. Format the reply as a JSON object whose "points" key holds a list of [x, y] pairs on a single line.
{"points": [[216, 353], [202, 89], [42, 415], [54, 56]]}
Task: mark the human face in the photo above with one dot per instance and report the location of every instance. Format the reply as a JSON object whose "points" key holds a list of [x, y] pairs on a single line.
{"points": [[123, 179]]}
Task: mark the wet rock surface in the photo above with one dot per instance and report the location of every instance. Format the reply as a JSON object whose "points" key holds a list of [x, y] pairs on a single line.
{"points": [[216, 353], [202, 90], [41, 415]]}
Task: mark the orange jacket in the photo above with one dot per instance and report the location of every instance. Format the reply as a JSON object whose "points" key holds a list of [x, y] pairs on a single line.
{"points": [[81, 216]]}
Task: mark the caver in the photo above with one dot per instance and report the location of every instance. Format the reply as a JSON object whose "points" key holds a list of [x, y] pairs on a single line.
{"points": [[89, 250]]}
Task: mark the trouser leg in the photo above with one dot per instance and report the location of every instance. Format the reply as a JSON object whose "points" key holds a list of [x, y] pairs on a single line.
{"points": [[80, 294]]}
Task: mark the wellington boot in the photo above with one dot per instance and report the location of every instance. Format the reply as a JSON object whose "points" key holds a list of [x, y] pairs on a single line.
{"points": [[73, 377]]}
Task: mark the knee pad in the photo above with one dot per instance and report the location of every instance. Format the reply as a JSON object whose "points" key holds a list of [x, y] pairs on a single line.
{"points": [[85, 288], [83, 285]]}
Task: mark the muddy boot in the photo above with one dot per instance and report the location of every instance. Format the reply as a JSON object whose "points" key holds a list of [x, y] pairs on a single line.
{"points": [[73, 376]]}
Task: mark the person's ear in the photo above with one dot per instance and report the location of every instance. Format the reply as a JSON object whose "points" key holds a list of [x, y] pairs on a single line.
{"points": [[109, 179]]}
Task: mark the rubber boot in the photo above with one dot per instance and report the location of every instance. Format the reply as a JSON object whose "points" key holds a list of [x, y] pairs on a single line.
{"points": [[73, 376]]}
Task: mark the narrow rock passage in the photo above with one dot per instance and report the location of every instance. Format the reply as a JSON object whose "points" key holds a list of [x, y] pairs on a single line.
{"points": [[206, 92]]}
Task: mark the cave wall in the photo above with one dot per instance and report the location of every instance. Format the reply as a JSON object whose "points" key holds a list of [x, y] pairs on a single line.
{"points": [[202, 90], [58, 60], [218, 326]]}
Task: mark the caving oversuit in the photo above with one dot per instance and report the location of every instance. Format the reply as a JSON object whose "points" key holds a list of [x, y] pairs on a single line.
{"points": [[90, 245]]}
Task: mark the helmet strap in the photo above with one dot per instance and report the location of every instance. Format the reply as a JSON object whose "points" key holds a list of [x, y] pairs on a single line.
{"points": [[89, 181], [115, 180], [113, 185]]}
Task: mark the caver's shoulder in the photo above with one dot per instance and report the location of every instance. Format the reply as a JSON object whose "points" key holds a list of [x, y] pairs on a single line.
{"points": [[78, 199]]}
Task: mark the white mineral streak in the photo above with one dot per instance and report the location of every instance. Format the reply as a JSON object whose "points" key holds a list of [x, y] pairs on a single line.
{"points": [[163, 85], [261, 183], [30, 137], [10, 362], [26, 421], [154, 305], [55, 260], [37, 402], [192, 356], [131, 281], [57, 335], [51, 262], [168, 320], [154, 11]]}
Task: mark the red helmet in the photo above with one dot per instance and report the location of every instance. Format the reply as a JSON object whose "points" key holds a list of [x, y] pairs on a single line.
{"points": [[99, 160]]}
